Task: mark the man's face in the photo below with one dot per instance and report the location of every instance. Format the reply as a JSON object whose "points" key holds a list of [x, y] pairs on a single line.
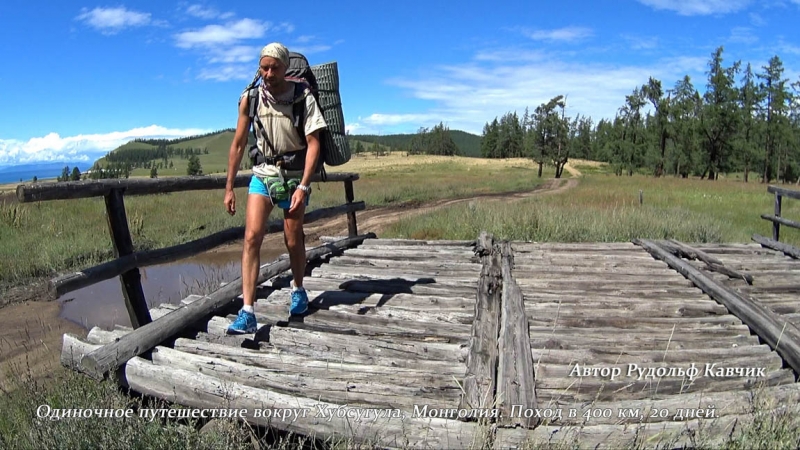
{"points": [[272, 71]]}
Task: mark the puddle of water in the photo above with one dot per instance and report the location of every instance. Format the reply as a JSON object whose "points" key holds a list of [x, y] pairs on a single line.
{"points": [[103, 304]]}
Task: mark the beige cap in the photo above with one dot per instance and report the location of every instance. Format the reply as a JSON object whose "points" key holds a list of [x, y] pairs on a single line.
{"points": [[276, 50]]}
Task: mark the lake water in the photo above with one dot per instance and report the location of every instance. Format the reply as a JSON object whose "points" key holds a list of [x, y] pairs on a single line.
{"points": [[26, 172]]}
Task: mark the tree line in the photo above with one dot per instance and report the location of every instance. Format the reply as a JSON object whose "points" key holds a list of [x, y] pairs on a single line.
{"points": [[747, 120], [167, 142]]}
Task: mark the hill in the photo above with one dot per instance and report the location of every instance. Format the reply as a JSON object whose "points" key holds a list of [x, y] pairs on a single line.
{"points": [[212, 150], [469, 144]]}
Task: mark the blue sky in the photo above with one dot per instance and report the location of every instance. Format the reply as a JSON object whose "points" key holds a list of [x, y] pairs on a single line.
{"points": [[79, 78]]}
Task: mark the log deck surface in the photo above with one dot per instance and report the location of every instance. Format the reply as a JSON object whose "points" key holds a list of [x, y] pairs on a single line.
{"points": [[399, 328]]}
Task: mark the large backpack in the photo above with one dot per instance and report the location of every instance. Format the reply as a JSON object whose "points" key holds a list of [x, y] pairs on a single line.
{"points": [[322, 82]]}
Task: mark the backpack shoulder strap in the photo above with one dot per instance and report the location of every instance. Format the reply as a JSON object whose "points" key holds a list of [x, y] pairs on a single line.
{"points": [[301, 90]]}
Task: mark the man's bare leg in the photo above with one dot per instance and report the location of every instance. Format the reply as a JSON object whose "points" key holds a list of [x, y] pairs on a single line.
{"points": [[295, 241], [258, 209]]}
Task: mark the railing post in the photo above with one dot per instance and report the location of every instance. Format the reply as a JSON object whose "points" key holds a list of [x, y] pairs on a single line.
{"points": [[123, 245], [776, 227], [352, 226]]}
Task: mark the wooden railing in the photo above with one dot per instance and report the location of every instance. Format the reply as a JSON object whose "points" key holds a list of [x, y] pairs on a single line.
{"points": [[127, 262], [778, 220]]}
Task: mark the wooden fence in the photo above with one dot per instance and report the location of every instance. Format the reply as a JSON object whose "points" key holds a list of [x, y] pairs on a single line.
{"points": [[778, 220], [127, 262]]}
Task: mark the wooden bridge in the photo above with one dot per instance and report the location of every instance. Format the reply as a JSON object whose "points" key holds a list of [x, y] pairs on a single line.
{"points": [[455, 344]]}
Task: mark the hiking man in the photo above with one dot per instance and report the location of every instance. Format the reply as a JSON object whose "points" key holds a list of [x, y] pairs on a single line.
{"points": [[281, 174]]}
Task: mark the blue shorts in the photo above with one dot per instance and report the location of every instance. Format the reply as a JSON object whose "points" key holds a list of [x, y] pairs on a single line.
{"points": [[258, 187]]}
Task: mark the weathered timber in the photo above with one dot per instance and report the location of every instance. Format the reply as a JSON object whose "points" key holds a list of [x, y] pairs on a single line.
{"points": [[346, 260], [73, 281], [480, 380], [780, 334], [336, 322], [781, 220], [783, 192], [105, 359], [37, 192], [787, 249], [614, 356], [522, 247], [607, 306], [352, 225], [331, 345], [198, 390], [411, 302], [425, 286], [418, 243], [390, 312], [648, 324], [441, 276], [130, 279], [515, 371], [363, 389], [693, 253], [712, 263]]}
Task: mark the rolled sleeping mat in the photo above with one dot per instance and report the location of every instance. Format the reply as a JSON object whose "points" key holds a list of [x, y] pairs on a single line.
{"points": [[327, 76]]}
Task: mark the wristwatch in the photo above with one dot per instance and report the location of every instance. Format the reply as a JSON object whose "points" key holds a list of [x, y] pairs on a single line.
{"points": [[306, 189]]}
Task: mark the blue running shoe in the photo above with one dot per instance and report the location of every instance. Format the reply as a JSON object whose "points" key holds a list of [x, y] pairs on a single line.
{"points": [[299, 302], [245, 323]]}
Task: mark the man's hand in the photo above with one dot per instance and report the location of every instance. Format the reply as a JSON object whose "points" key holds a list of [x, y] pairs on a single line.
{"points": [[298, 199], [230, 201]]}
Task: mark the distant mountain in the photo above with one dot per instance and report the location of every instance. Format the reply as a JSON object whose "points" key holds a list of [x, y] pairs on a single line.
{"points": [[212, 149]]}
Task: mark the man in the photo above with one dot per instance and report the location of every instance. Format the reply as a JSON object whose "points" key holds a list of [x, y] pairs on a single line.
{"points": [[280, 145]]}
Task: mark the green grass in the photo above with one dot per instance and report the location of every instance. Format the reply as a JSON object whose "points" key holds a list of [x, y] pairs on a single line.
{"points": [[46, 238], [606, 209]]}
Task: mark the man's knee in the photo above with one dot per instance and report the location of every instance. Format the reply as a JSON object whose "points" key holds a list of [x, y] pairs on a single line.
{"points": [[294, 237], [253, 239]]}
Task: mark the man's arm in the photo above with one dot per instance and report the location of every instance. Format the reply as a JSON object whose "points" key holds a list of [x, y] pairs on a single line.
{"points": [[312, 155], [239, 144]]}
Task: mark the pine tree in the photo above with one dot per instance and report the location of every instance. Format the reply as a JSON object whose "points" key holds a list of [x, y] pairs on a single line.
{"points": [[75, 175], [194, 167], [153, 172]]}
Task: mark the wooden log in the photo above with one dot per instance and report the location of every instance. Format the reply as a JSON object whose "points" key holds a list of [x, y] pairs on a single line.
{"points": [[70, 282], [346, 260], [388, 287], [439, 276], [516, 385], [355, 324], [417, 243], [788, 250], [365, 388], [410, 302], [781, 220], [776, 226], [352, 225], [130, 279], [331, 345], [389, 312], [197, 390], [614, 356], [712, 263], [37, 192], [772, 189], [480, 380], [780, 334], [98, 363], [694, 253]]}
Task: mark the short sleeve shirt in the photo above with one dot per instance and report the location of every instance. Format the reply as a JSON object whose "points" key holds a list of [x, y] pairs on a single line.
{"points": [[278, 123]]}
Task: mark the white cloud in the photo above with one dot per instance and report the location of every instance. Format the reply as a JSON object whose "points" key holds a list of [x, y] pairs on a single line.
{"points": [[568, 34], [227, 34], [235, 54], [466, 96], [743, 35], [205, 13], [757, 20], [53, 147], [231, 72], [698, 7], [112, 20], [310, 49], [641, 43]]}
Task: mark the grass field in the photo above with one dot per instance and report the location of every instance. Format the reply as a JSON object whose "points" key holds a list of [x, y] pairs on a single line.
{"points": [[42, 238]]}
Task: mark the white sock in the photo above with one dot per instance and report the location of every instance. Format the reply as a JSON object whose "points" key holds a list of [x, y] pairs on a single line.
{"points": [[248, 308], [295, 288]]}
